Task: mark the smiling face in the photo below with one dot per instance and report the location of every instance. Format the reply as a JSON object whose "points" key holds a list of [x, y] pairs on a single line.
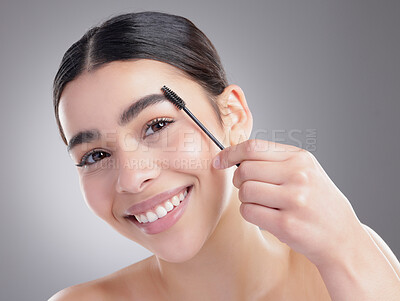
{"points": [[134, 159]]}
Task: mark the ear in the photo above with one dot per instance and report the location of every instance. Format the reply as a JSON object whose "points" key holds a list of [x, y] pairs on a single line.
{"points": [[236, 115]]}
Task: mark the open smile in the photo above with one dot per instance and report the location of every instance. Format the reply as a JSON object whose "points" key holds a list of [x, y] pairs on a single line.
{"points": [[163, 215]]}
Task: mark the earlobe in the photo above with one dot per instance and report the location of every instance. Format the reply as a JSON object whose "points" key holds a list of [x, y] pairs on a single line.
{"points": [[236, 115]]}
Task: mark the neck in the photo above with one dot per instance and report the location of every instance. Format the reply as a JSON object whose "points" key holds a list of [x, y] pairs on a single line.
{"points": [[238, 260]]}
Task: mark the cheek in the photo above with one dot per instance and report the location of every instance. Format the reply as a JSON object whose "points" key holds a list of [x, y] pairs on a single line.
{"points": [[188, 149], [193, 157], [98, 194], [192, 154]]}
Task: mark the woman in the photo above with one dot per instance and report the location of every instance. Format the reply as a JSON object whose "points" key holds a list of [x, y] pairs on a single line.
{"points": [[155, 177]]}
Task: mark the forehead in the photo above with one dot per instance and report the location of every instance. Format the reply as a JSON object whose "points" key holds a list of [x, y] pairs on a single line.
{"points": [[105, 92]]}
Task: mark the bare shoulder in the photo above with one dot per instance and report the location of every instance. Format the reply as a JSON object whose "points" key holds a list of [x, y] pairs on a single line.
{"points": [[381, 244], [125, 284], [85, 291]]}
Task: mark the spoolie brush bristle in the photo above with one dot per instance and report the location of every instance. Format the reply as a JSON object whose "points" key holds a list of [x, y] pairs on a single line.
{"points": [[173, 97]]}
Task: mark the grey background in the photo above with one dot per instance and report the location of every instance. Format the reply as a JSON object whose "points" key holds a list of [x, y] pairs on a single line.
{"points": [[332, 66]]}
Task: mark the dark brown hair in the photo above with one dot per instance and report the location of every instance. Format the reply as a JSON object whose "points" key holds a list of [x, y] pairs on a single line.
{"points": [[147, 35]]}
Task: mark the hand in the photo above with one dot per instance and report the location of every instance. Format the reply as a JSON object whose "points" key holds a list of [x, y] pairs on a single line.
{"points": [[284, 190]]}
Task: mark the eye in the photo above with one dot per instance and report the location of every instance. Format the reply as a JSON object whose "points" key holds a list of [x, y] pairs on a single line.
{"points": [[157, 125], [93, 157]]}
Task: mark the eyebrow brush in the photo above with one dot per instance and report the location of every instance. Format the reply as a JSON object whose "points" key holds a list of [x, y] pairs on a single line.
{"points": [[180, 104]]}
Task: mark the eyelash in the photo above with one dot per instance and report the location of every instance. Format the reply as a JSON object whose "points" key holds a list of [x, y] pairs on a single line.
{"points": [[155, 121], [84, 160], [164, 120]]}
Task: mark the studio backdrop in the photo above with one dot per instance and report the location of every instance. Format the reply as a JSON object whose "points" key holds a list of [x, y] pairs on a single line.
{"points": [[321, 75]]}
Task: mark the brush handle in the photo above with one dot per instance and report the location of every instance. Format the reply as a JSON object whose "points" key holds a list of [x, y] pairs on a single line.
{"points": [[215, 140]]}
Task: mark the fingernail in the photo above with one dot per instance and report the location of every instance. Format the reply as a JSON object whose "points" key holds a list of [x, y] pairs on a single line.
{"points": [[217, 163]]}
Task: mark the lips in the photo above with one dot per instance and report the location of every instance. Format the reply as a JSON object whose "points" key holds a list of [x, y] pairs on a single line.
{"points": [[152, 202], [156, 224], [162, 209]]}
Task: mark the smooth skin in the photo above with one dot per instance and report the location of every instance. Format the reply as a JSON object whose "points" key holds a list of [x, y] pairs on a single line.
{"points": [[312, 246]]}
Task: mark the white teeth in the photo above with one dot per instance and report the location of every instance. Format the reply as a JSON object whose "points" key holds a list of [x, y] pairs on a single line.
{"points": [[151, 216], [143, 218], [168, 205], [161, 211], [175, 200]]}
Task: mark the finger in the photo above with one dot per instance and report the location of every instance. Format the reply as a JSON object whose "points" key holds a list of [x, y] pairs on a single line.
{"points": [[265, 194], [259, 150], [264, 217], [262, 171]]}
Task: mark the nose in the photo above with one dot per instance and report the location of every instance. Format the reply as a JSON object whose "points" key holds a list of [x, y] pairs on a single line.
{"points": [[136, 174]]}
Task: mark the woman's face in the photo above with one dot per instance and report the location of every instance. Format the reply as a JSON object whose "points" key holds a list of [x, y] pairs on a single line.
{"points": [[138, 151]]}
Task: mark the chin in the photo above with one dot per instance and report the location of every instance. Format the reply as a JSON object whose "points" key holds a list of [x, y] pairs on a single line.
{"points": [[185, 247]]}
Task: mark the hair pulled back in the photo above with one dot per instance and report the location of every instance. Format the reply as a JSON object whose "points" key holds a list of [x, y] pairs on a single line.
{"points": [[146, 35]]}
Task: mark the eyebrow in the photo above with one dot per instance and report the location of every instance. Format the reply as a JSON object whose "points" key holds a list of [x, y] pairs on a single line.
{"points": [[83, 137], [127, 115], [138, 106]]}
